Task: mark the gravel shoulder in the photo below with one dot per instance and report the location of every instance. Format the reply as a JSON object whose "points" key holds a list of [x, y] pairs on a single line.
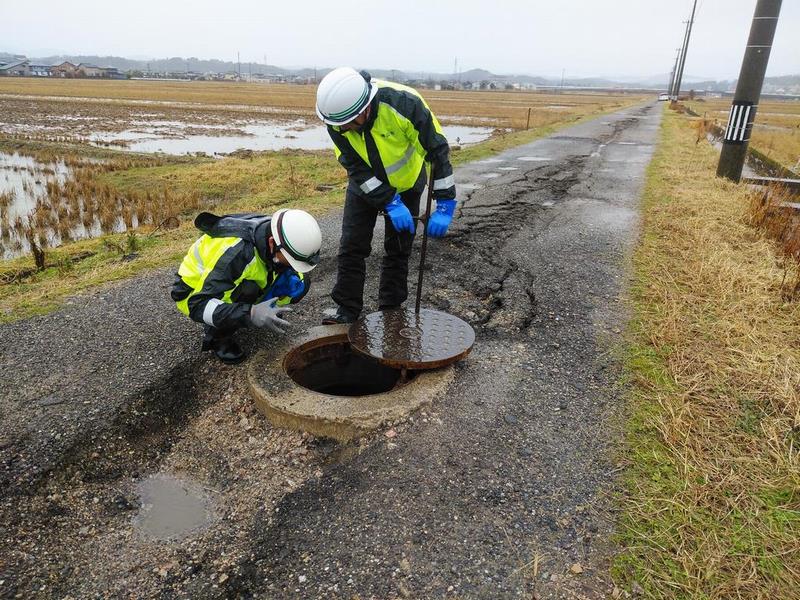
{"points": [[498, 491]]}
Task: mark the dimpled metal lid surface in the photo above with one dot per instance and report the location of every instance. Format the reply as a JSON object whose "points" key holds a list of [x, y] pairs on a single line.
{"points": [[401, 338]]}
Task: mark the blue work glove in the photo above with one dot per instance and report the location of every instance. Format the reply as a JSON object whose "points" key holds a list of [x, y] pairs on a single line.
{"points": [[399, 215], [439, 221], [289, 284]]}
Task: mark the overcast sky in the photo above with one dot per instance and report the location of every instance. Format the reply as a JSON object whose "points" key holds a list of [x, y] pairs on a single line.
{"points": [[584, 37]]}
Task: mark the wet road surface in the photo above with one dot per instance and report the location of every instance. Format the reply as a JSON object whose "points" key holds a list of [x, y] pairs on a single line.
{"points": [[494, 492]]}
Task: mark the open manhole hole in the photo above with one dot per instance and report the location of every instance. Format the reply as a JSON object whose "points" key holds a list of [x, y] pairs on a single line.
{"points": [[325, 387], [330, 366]]}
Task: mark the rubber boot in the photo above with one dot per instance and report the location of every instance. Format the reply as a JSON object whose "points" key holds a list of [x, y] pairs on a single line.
{"points": [[227, 350]]}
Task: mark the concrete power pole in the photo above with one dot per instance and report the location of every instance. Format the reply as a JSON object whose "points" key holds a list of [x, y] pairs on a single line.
{"points": [[673, 94], [679, 77], [674, 72], [748, 89]]}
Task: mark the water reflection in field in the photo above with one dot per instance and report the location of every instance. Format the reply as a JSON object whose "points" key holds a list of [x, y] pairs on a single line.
{"points": [[175, 137]]}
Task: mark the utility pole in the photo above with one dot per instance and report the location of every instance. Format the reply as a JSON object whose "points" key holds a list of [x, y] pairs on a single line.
{"points": [[238, 67], [562, 80], [673, 93], [748, 89], [683, 54], [674, 72]]}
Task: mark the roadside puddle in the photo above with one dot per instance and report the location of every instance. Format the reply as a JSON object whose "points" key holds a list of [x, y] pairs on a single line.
{"points": [[171, 508]]}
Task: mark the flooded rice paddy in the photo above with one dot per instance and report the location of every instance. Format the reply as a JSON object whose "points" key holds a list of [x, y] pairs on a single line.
{"points": [[184, 129], [46, 204], [49, 202], [176, 138]]}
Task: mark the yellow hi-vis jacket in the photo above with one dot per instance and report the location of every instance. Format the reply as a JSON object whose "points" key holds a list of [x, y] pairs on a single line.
{"points": [[386, 157], [222, 276]]}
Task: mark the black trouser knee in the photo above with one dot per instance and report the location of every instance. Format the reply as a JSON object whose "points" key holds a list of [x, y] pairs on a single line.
{"points": [[358, 223], [355, 244], [247, 291], [393, 289]]}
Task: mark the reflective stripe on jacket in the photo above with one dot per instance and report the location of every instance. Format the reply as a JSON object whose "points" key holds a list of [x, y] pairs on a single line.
{"points": [[212, 271], [388, 155]]}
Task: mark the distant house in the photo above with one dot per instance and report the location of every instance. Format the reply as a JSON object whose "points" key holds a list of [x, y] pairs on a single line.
{"points": [[64, 69], [113, 73], [87, 70], [20, 68], [40, 70]]}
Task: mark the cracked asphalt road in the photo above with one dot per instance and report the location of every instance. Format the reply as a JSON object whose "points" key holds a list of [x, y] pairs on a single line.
{"points": [[494, 492], [516, 463]]}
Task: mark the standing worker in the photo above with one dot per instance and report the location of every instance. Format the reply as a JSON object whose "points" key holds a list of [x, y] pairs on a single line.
{"points": [[383, 134], [243, 271]]}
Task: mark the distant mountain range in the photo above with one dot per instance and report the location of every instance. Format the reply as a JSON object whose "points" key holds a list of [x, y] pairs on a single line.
{"points": [[787, 84]]}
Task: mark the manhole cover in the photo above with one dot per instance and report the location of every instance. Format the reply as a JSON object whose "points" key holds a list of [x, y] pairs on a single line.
{"points": [[404, 339]]}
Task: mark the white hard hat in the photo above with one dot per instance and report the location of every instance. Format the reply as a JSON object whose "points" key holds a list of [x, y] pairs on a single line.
{"points": [[297, 234], [342, 95]]}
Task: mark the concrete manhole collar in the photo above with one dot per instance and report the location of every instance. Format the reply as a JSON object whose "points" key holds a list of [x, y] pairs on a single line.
{"points": [[322, 386]]}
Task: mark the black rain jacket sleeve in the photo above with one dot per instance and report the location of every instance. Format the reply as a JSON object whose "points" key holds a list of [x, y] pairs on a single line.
{"points": [[222, 278]]}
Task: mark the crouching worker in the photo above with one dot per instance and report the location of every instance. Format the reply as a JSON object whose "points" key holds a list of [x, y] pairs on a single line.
{"points": [[244, 271]]}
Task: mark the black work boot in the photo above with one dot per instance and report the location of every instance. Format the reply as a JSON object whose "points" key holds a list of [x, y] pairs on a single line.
{"points": [[227, 350], [340, 318]]}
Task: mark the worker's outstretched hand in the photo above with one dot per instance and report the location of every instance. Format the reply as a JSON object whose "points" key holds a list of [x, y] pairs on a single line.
{"points": [[267, 314], [400, 215], [439, 221]]}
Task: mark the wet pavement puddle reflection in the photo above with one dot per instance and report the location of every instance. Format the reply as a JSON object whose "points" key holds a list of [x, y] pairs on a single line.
{"points": [[171, 508]]}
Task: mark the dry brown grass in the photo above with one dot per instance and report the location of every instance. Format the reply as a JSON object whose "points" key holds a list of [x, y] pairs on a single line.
{"points": [[713, 509], [776, 132], [774, 211]]}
